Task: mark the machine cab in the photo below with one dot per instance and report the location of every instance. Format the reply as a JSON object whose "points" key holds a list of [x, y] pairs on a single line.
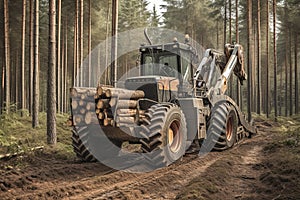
{"points": [[168, 60], [163, 69]]}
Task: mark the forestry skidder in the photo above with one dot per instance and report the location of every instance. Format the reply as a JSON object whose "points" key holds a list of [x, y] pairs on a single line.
{"points": [[171, 105]]}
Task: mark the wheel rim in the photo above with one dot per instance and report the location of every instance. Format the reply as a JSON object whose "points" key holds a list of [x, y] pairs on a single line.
{"points": [[174, 136], [229, 128]]}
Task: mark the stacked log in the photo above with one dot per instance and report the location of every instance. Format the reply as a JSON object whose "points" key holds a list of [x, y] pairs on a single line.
{"points": [[83, 106], [117, 107]]}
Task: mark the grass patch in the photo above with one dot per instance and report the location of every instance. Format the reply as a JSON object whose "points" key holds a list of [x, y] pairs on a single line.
{"points": [[17, 134]]}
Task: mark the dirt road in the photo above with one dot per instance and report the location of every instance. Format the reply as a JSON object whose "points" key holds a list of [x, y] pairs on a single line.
{"points": [[239, 173]]}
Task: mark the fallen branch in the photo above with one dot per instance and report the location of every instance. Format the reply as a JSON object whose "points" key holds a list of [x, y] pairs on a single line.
{"points": [[11, 155]]}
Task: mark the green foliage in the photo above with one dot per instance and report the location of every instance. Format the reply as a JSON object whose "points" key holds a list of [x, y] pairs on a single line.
{"points": [[133, 14], [17, 135], [191, 17]]}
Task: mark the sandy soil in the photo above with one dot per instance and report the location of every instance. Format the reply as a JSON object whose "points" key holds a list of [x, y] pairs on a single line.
{"points": [[247, 171]]}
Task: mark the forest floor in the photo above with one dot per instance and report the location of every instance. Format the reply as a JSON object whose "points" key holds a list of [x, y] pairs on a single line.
{"points": [[267, 166]]}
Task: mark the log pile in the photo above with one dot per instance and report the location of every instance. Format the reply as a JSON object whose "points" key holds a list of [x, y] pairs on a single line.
{"points": [[106, 106], [117, 107], [83, 106]]}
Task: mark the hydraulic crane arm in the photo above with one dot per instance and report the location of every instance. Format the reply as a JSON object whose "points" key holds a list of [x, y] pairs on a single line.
{"points": [[231, 61], [235, 64]]}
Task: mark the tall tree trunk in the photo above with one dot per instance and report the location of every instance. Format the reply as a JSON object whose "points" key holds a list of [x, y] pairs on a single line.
{"points": [[75, 49], [281, 92], [58, 67], [107, 75], [267, 105], [31, 56], [253, 55], [66, 67], [90, 44], [296, 74], [275, 58], [114, 49], [286, 60], [286, 75], [22, 89], [16, 80], [51, 86], [6, 56], [230, 41], [291, 69], [230, 20], [225, 22], [239, 97], [258, 59], [36, 97], [81, 44], [2, 86], [249, 65], [62, 72]]}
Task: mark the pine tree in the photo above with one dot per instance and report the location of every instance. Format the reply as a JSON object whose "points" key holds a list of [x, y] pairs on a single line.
{"points": [[51, 86], [249, 65], [154, 17], [275, 58], [22, 88], [36, 91], [7, 56]]}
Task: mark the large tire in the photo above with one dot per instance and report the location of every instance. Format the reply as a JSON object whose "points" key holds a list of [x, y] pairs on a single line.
{"points": [[82, 140], [79, 145], [222, 127], [164, 135]]}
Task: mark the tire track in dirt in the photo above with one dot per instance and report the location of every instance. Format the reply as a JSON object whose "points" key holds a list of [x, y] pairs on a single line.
{"points": [[63, 180], [157, 184], [165, 183], [38, 178]]}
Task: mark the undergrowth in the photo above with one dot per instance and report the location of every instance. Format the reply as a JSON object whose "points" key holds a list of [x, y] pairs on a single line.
{"points": [[17, 134]]}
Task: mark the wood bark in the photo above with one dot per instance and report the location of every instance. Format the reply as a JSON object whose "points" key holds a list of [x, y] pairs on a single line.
{"points": [[230, 41], [258, 60], [106, 82], [66, 69], [58, 63], [22, 89], [62, 72], [90, 45], [74, 82], [239, 97], [114, 44], [51, 86], [81, 43], [291, 70], [249, 64], [6, 56], [267, 105], [296, 74], [77, 45], [286, 60], [2, 86], [225, 23], [36, 97], [275, 58], [286, 73], [31, 55]]}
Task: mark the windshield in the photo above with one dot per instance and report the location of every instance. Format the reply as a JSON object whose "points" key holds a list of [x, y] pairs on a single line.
{"points": [[161, 64]]}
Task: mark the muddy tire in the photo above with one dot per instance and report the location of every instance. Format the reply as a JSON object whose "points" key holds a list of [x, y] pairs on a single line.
{"points": [[83, 139], [79, 146], [164, 135], [222, 127]]}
